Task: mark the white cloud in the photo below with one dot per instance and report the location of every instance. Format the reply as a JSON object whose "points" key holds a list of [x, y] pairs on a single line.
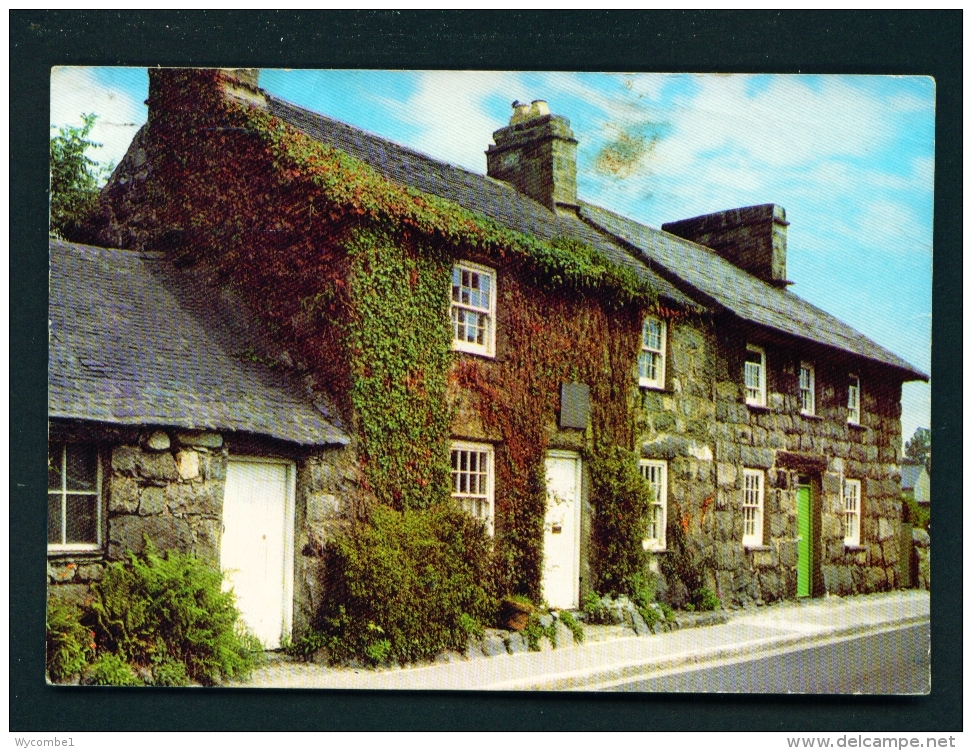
{"points": [[77, 91], [449, 109]]}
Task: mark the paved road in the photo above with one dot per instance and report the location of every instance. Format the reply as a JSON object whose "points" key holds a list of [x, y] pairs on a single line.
{"points": [[891, 662]]}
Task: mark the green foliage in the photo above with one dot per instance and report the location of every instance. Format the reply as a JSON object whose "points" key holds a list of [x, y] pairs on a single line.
{"points": [[112, 670], [667, 611], [169, 672], [918, 515], [592, 603], [75, 176], [918, 448], [536, 631], [70, 645], [357, 189], [576, 629], [705, 599], [412, 580], [650, 614], [155, 609], [307, 645], [621, 500], [401, 349], [685, 562]]}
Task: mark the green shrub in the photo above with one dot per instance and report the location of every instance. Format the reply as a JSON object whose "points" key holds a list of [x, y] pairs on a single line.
{"points": [[535, 631], [686, 563], [576, 630], [667, 611], [650, 614], [155, 609], [918, 515], [70, 645], [417, 579], [706, 599], [595, 609], [307, 644], [169, 672], [112, 670], [621, 500]]}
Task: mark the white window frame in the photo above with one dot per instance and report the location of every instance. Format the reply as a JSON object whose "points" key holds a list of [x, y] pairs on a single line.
{"points": [[653, 353], [488, 347], [63, 492], [852, 513], [754, 483], [808, 389], [465, 498], [659, 512], [759, 398], [854, 400]]}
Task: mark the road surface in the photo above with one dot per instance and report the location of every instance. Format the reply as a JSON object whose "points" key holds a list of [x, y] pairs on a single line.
{"points": [[896, 661]]}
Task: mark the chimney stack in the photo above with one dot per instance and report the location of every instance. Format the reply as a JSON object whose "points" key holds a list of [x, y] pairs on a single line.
{"points": [[752, 238], [537, 154]]}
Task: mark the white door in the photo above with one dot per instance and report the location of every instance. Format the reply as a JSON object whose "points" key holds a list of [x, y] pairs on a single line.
{"points": [[561, 530], [256, 551]]}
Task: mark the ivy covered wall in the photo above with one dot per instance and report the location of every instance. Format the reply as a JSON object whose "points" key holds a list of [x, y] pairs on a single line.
{"points": [[351, 274]]}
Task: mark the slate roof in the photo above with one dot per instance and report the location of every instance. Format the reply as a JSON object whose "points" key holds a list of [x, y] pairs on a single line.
{"points": [[909, 475], [493, 198], [135, 341], [735, 290], [679, 269]]}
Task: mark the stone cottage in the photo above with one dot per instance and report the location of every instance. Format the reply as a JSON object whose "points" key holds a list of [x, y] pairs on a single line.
{"points": [[416, 327]]}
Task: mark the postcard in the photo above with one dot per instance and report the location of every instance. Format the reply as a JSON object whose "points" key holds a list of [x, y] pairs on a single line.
{"points": [[482, 381]]}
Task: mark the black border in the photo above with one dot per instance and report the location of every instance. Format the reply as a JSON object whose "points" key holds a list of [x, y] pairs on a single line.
{"points": [[899, 42]]}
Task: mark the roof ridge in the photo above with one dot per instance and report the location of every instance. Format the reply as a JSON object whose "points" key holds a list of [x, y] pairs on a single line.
{"points": [[842, 330]]}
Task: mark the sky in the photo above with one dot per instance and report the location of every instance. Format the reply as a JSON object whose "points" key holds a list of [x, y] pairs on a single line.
{"points": [[850, 158]]}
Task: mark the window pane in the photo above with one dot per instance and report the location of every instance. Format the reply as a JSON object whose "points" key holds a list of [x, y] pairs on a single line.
{"points": [[82, 520], [54, 519], [82, 467], [54, 465]]}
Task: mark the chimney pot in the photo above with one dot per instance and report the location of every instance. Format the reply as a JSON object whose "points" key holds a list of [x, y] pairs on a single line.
{"points": [[537, 154]]}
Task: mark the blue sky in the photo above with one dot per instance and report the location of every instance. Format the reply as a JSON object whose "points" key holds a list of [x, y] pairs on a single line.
{"points": [[850, 158]]}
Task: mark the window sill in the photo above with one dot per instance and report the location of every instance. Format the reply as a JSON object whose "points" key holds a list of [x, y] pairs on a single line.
{"points": [[856, 425], [854, 548], [808, 416], [757, 548], [89, 554], [651, 386], [757, 407], [476, 352]]}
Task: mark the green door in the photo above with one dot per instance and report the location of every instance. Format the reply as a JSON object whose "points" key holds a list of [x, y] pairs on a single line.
{"points": [[804, 546]]}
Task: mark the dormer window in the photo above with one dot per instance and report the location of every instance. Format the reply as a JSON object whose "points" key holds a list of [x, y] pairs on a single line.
{"points": [[755, 375], [473, 309], [808, 400], [651, 360], [854, 400]]}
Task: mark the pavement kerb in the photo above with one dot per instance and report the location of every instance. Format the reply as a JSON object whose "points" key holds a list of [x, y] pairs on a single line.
{"points": [[806, 624], [582, 680]]}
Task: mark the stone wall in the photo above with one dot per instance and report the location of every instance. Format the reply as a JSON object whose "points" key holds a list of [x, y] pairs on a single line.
{"points": [[702, 426], [167, 486], [329, 497]]}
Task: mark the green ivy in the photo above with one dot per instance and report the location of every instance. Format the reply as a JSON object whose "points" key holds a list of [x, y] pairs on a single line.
{"points": [[401, 351], [621, 500]]}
